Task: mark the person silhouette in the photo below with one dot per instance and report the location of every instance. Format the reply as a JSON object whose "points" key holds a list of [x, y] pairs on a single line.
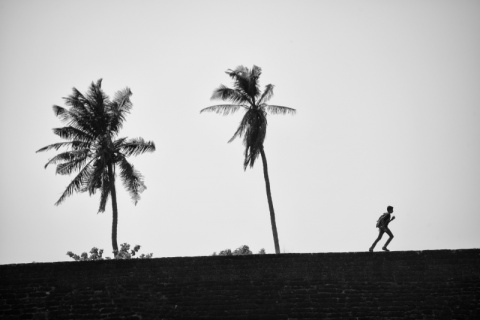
{"points": [[382, 226]]}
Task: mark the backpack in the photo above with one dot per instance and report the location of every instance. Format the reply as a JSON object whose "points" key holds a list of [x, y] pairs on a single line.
{"points": [[380, 220]]}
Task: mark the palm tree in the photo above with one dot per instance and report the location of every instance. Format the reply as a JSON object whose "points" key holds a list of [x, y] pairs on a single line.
{"points": [[247, 95], [94, 149]]}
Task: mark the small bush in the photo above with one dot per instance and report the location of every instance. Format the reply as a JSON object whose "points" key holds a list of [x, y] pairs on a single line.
{"points": [[124, 253], [240, 251]]}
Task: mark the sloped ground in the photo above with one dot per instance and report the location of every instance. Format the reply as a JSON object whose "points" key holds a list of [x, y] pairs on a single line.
{"points": [[441, 284]]}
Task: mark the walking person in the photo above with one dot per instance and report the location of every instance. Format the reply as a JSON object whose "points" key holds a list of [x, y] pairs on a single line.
{"points": [[382, 225]]}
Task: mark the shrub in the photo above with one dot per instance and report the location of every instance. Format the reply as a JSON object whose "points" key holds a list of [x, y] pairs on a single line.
{"points": [[124, 253], [240, 251]]}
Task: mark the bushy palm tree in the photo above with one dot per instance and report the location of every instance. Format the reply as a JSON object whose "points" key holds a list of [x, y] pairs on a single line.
{"points": [[94, 149], [247, 95]]}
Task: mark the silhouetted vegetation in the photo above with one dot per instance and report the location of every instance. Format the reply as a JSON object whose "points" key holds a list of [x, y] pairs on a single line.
{"points": [[94, 149], [97, 254], [240, 251], [246, 95]]}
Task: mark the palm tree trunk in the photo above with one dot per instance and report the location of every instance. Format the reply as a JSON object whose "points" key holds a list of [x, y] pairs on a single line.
{"points": [[113, 194], [270, 202]]}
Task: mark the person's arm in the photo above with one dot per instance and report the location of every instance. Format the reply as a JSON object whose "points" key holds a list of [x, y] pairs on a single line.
{"points": [[393, 218]]}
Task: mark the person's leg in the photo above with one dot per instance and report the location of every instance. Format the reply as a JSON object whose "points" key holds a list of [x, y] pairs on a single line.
{"points": [[380, 234], [390, 234]]}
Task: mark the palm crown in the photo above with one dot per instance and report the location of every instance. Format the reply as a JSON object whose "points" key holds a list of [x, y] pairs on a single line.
{"points": [[246, 94], [94, 149]]}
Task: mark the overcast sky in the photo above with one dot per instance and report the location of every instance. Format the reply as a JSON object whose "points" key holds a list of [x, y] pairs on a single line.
{"points": [[387, 98]]}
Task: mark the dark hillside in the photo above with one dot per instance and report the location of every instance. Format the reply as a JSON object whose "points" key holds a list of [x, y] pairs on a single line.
{"points": [[443, 284]]}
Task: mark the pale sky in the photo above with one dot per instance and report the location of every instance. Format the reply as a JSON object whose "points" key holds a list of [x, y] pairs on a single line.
{"points": [[387, 96]]}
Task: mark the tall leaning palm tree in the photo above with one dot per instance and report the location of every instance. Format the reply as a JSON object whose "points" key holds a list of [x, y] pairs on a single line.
{"points": [[94, 149], [246, 95]]}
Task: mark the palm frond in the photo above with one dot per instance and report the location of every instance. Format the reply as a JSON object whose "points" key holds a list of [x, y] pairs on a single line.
{"points": [[75, 99], [75, 185], [62, 113], [279, 109], [120, 106], [72, 133], [224, 109], [88, 112], [74, 145], [236, 96], [83, 120], [255, 134], [97, 99], [254, 76], [97, 175], [78, 103], [267, 94], [136, 146], [118, 143], [239, 71], [68, 156], [242, 127], [251, 155], [246, 81], [132, 180], [75, 164]]}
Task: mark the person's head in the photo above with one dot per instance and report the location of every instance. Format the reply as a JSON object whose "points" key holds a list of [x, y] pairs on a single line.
{"points": [[389, 209]]}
